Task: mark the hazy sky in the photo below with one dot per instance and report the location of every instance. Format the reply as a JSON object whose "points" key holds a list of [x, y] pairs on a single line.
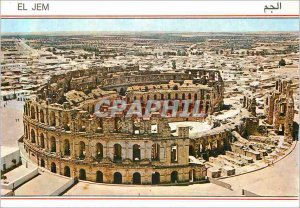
{"points": [[186, 25]]}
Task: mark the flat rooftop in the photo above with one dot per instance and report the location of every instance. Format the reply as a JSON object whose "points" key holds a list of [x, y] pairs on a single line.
{"points": [[42, 185], [18, 173], [195, 127]]}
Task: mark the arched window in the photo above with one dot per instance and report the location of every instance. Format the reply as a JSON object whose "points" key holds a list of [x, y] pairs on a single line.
{"points": [[117, 178], [183, 96], [136, 152], [52, 144], [42, 139], [192, 175], [195, 96], [201, 106], [155, 178], [136, 178], [67, 171], [52, 119], [67, 149], [117, 152], [32, 112], [82, 174], [174, 177], [176, 96], [81, 150], [207, 107], [42, 163], [99, 151], [42, 117], [32, 136], [99, 177], [66, 122], [190, 96], [53, 167], [175, 87], [122, 91], [192, 150], [155, 150], [174, 153]]}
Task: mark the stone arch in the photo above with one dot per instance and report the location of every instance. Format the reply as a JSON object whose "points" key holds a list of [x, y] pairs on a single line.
{"points": [[192, 150], [195, 96], [122, 91], [52, 119], [174, 153], [207, 107], [82, 174], [99, 151], [42, 139], [32, 112], [192, 175], [67, 171], [99, 177], [155, 178], [67, 148], [66, 122], [136, 178], [117, 152], [81, 150], [201, 106], [32, 135], [42, 116], [176, 96], [136, 152], [174, 177], [42, 163], [155, 151], [53, 167], [169, 96], [189, 96], [52, 144], [117, 178]]}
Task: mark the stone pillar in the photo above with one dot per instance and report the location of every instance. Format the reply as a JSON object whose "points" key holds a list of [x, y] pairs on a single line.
{"points": [[74, 154], [126, 150]]}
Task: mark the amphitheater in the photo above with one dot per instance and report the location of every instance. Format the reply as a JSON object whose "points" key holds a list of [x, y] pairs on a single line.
{"points": [[63, 135]]}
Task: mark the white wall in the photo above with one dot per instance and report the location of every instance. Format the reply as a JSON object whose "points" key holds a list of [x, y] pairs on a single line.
{"points": [[21, 180], [7, 159]]}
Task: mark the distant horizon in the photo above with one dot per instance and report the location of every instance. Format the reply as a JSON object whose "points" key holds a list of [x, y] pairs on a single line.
{"points": [[66, 33], [30, 26]]}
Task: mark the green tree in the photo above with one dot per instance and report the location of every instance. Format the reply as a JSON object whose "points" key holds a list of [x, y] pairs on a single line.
{"points": [[282, 62], [14, 161], [173, 64]]}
